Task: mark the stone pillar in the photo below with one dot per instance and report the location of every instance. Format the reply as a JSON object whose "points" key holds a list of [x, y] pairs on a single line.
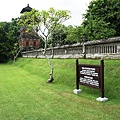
{"points": [[84, 51], [118, 48]]}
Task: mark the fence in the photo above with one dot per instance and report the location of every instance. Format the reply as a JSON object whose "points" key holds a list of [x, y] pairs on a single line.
{"points": [[106, 48]]}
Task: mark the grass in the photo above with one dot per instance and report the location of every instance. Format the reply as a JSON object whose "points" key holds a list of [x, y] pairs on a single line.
{"points": [[25, 95]]}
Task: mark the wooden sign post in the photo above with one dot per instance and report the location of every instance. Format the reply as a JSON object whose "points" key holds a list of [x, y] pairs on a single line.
{"points": [[91, 76]]}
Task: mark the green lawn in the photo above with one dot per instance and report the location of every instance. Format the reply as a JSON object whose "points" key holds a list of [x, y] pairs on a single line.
{"points": [[25, 95]]}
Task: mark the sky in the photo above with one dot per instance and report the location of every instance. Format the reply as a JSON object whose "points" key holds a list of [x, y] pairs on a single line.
{"points": [[11, 8]]}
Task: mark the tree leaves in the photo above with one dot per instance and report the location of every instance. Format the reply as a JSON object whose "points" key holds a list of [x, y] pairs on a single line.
{"points": [[102, 19], [43, 22], [8, 37]]}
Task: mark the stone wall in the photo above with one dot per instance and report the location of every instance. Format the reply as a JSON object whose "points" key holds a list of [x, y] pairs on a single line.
{"points": [[108, 49]]}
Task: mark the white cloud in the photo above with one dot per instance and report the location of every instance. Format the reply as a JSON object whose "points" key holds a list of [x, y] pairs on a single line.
{"points": [[11, 8]]}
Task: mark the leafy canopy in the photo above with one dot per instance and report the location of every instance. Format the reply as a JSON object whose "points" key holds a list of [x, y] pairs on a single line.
{"points": [[43, 22], [8, 39], [102, 19]]}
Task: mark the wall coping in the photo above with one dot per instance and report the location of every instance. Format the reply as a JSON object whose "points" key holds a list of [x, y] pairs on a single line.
{"points": [[103, 41]]}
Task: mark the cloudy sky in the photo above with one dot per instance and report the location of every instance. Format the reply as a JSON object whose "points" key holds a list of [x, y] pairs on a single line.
{"points": [[11, 8]]}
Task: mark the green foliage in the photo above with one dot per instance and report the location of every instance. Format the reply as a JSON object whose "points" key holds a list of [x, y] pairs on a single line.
{"points": [[29, 20], [43, 22], [98, 29], [70, 31], [66, 35], [58, 36], [4, 45], [74, 34], [101, 19], [8, 39], [13, 34]]}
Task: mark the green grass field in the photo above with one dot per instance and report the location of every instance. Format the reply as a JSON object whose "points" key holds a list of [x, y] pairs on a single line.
{"points": [[25, 94]]}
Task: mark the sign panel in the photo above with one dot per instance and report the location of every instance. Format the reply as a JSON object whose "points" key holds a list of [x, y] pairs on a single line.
{"points": [[91, 76]]}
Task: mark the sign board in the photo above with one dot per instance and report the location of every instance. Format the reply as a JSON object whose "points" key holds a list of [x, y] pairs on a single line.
{"points": [[91, 76]]}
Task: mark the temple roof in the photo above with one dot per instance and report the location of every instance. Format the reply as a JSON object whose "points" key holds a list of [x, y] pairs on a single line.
{"points": [[29, 36], [26, 9]]}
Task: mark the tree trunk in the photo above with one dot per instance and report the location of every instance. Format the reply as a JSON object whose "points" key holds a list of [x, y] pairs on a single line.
{"points": [[16, 56], [52, 69], [49, 62]]}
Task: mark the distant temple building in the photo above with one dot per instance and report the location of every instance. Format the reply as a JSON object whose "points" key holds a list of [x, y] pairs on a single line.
{"points": [[28, 40]]}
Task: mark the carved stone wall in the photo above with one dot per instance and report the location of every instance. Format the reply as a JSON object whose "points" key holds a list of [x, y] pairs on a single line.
{"points": [[108, 49]]}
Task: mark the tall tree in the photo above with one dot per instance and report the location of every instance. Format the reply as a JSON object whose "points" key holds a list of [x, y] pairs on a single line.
{"points": [[58, 36], [44, 23], [9, 38], [13, 34], [74, 34], [4, 44], [102, 19]]}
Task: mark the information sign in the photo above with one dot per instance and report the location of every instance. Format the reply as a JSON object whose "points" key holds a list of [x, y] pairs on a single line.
{"points": [[91, 76]]}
